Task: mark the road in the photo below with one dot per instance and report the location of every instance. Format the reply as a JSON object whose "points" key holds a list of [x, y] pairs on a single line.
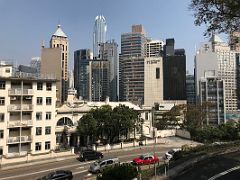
{"points": [[80, 169], [218, 167]]}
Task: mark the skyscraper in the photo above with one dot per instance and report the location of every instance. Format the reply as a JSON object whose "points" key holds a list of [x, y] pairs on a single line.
{"points": [[55, 62], [174, 72], [131, 65], [109, 52], [82, 73], [99, 34], [216, 55]]}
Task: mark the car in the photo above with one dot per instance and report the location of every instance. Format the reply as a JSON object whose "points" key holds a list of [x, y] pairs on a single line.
{"points": [[100, 165], [145, 159], [89, 154], [58, 175], [169, 154]]}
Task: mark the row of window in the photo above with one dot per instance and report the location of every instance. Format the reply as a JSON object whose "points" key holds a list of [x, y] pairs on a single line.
{"points": [[39, 130], [40, 100], [39, 116], [39, 85], [38, 146]]}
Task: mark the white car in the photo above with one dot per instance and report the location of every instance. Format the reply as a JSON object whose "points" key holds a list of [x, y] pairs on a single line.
{"points": [[169, 154]]}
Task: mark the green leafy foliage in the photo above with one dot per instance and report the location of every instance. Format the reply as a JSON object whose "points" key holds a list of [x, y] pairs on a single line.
{"points": [[218, 15], [119, 172]]}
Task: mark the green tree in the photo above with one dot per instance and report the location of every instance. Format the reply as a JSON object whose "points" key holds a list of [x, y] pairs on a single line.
{"points": [[87, 126], [218, 15], [119, 172]]}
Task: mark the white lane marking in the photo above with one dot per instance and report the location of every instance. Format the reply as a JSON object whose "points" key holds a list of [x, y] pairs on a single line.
{"points": [[224, 173], [62, 167], [81, 167], [37, 172], [79, 172]]}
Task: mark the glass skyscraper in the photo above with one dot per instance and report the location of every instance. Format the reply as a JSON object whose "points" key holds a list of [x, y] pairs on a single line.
{"points": [[99, 34]]}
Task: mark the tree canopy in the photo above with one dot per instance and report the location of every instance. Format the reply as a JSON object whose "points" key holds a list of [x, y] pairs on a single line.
{"points": [[218, 15], [109, 124]]}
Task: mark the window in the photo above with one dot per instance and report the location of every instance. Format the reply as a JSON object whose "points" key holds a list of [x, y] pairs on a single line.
{"points": [[2, 101], [38, 130], [39, 100], [38, 115], [1, 134], [1, 117], [47, 145], [48, 100], [38, 146], [1, 151], [48, 130], [48, 115], [2, 84], [7, 70], [49, 86], [39, 86], [146, 115], [157, 73]]}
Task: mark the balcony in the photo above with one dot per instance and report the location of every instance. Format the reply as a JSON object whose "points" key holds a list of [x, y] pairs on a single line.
{"points": [[24, 107], [23, 123], [19, 92], [18, 139]]}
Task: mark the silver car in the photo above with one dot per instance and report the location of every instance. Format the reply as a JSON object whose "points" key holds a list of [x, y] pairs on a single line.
{"points": [[100, 165]]}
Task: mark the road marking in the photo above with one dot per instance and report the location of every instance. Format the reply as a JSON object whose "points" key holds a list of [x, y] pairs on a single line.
{"points": [[81, 167], [38, 172], [224, 173], [79, 172]]}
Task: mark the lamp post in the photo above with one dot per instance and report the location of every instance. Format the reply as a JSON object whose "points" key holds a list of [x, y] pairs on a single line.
{"points": [[154, 151]]}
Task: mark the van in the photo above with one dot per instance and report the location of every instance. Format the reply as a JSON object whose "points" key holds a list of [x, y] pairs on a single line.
{"points": [[100, 165], [169, 154]]}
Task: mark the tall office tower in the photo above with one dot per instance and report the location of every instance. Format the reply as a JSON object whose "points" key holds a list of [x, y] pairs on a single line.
{"points": [[216, 55], [235, 41], [109, 52], [99, 80], [82, 73], [36, 63], [190, 89], [99, 34], [211, 90], [174, 72], [131, 65], [153, 48]]}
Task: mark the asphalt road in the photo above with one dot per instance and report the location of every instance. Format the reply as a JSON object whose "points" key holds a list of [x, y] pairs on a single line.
{"points": [[214, 168], [80, 169]]}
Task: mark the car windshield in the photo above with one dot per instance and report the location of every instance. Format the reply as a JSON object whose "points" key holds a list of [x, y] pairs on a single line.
{"points": [[141, 157], [171, 152]]}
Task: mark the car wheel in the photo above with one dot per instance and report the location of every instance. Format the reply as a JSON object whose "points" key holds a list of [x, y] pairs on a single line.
{"points": [[85, 159]]}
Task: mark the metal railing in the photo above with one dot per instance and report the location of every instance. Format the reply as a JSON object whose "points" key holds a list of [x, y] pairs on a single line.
{"points": [[20, 123], [19, 91], [19, 139], [24, 107]]}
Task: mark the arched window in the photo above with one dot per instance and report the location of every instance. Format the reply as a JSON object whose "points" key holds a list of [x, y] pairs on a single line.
{"points": [[65, 121]]}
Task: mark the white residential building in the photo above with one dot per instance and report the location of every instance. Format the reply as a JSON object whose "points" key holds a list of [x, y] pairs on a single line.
{"points": [[27, 114]]}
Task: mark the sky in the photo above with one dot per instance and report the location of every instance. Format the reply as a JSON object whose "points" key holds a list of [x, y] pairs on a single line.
{"points": [[25, 24]]}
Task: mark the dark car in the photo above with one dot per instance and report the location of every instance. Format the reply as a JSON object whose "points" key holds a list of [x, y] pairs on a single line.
{"points": [[90, 155], [58, 175]]}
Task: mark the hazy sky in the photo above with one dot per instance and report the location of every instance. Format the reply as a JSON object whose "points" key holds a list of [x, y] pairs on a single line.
{"points": [[24, 24]]}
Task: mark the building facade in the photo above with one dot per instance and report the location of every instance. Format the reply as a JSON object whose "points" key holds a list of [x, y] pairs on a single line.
{"points": [[27, 115], [99, 34], [109, 52], [55, 62], [174, 72], [131, 65], [216, 55], [82, 71], [190, 89], [211, 90], [153, 48], [36, 63]]}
